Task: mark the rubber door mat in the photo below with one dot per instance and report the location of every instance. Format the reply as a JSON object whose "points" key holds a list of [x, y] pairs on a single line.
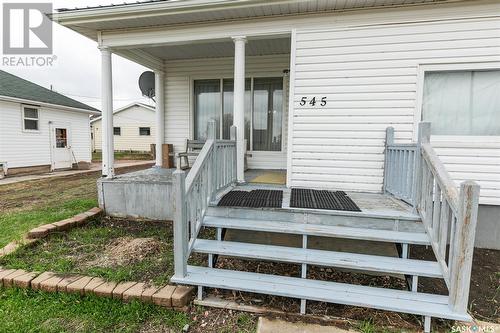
{"points": [[322, 199], [255, 198]]}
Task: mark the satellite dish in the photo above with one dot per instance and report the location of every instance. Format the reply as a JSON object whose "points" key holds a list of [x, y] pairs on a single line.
{"points": [[147, 84]]}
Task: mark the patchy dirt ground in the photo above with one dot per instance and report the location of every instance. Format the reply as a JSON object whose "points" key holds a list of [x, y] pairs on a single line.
{"points": [[127, 250]]}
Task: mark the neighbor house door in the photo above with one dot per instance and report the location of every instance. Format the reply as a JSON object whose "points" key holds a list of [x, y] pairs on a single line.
{"points": [[61, 149]]}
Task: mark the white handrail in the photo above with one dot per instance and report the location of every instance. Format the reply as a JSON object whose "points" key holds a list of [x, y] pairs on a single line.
{"points": [[448, 215], [213, 170]]}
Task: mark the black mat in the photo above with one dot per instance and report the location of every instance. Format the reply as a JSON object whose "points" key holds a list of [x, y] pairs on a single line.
{"points": [[322, 199], [255, 198]]}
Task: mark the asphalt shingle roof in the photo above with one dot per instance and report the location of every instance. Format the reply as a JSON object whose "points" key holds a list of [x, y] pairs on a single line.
{"points": [[14, 86]]}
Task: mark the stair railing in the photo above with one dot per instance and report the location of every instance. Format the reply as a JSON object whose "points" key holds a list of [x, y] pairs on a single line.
{"points": [[448, 215], [399, 168], [213, 170]]}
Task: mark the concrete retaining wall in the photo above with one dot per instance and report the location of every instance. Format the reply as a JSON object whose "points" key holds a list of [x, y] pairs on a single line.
{"points": [[142, 194]]}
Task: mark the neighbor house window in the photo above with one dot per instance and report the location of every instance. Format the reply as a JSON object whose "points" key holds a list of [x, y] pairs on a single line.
{"points": [[117, 131], [30, 118], [144, 131], [462, 102]]}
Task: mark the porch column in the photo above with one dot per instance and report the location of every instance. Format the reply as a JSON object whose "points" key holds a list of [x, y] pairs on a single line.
{"points": [[239, 105], [107, 148], [160, 116]]}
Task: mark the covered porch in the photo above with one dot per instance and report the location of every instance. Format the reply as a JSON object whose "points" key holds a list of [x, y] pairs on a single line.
{"points": [[236, 81]]}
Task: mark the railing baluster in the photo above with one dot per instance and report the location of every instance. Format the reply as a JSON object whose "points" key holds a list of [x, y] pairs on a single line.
{"points": [[436, 214], [443, 228]]}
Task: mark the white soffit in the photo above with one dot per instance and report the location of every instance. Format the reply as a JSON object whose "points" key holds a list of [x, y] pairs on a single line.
{"points": [[254, 47]]}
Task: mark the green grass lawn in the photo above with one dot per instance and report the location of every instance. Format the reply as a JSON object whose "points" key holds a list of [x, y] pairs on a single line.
{"points": [[26, 205], [124, 155], [32, 311], [29, 204]]}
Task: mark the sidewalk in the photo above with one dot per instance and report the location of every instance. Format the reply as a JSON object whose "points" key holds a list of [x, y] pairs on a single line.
{"points": [[94, 167]]}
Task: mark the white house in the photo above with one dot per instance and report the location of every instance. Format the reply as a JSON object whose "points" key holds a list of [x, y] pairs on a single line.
{"points": [[40, 129], [133, 128], [334, 93]]}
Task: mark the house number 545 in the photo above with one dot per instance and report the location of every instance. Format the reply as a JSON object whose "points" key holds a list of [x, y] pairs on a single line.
{"points": [[313, 101]]}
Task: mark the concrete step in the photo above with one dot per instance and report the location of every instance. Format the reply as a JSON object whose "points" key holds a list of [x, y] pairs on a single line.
{"points": [[323, 291], [345, 260]]}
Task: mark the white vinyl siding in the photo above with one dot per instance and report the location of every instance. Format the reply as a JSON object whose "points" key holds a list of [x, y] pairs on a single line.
{"points": [[370, 76], [129, 121], [21, 148], [179, 105]]}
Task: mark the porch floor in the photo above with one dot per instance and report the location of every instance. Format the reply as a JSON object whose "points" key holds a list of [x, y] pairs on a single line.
{"points": [[371, 204]]}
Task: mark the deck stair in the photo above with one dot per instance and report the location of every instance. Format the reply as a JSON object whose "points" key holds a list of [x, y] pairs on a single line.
{"points": [[439, 215], [269, 220], [331, 292], [352, 261]]}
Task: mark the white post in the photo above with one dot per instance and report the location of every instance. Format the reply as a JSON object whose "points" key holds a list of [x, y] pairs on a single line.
{"points": [[108, 170], [239, 105], [180, 225], [424, 135], [160, 116], [463, 245]]}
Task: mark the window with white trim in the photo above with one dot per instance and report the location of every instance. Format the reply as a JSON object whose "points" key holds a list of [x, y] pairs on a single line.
{"points": [[30, 118], [464, 102]]}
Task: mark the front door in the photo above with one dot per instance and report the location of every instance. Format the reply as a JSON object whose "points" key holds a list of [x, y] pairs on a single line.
{"points": [[61, 150]]}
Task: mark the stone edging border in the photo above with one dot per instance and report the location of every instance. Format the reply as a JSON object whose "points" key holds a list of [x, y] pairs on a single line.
{"points": [[43, 230], [169, 296]]}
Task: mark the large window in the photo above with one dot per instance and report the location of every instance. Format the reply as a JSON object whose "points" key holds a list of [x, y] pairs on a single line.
{"points": [[30, 118], [462, 102], [213, 99]]}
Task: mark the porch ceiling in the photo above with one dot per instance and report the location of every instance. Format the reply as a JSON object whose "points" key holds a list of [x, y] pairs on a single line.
{"points": [[254, 47]]}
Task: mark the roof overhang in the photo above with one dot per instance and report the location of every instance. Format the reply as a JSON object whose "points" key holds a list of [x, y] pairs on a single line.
{"points": [[145, 106], [90, 21], [49, 105], [131, 30]]}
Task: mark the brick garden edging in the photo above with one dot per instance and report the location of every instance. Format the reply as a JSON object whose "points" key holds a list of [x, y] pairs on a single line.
{"points": [[167, 296], [44, 230]]}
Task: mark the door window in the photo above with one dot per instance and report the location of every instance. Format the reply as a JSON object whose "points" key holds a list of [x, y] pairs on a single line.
{"points": [[61, 138], [267, 114], [207, 106]]}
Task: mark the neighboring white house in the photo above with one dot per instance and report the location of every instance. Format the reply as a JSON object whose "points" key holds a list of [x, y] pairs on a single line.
{"points": [[133, 128], [40, 129]]}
